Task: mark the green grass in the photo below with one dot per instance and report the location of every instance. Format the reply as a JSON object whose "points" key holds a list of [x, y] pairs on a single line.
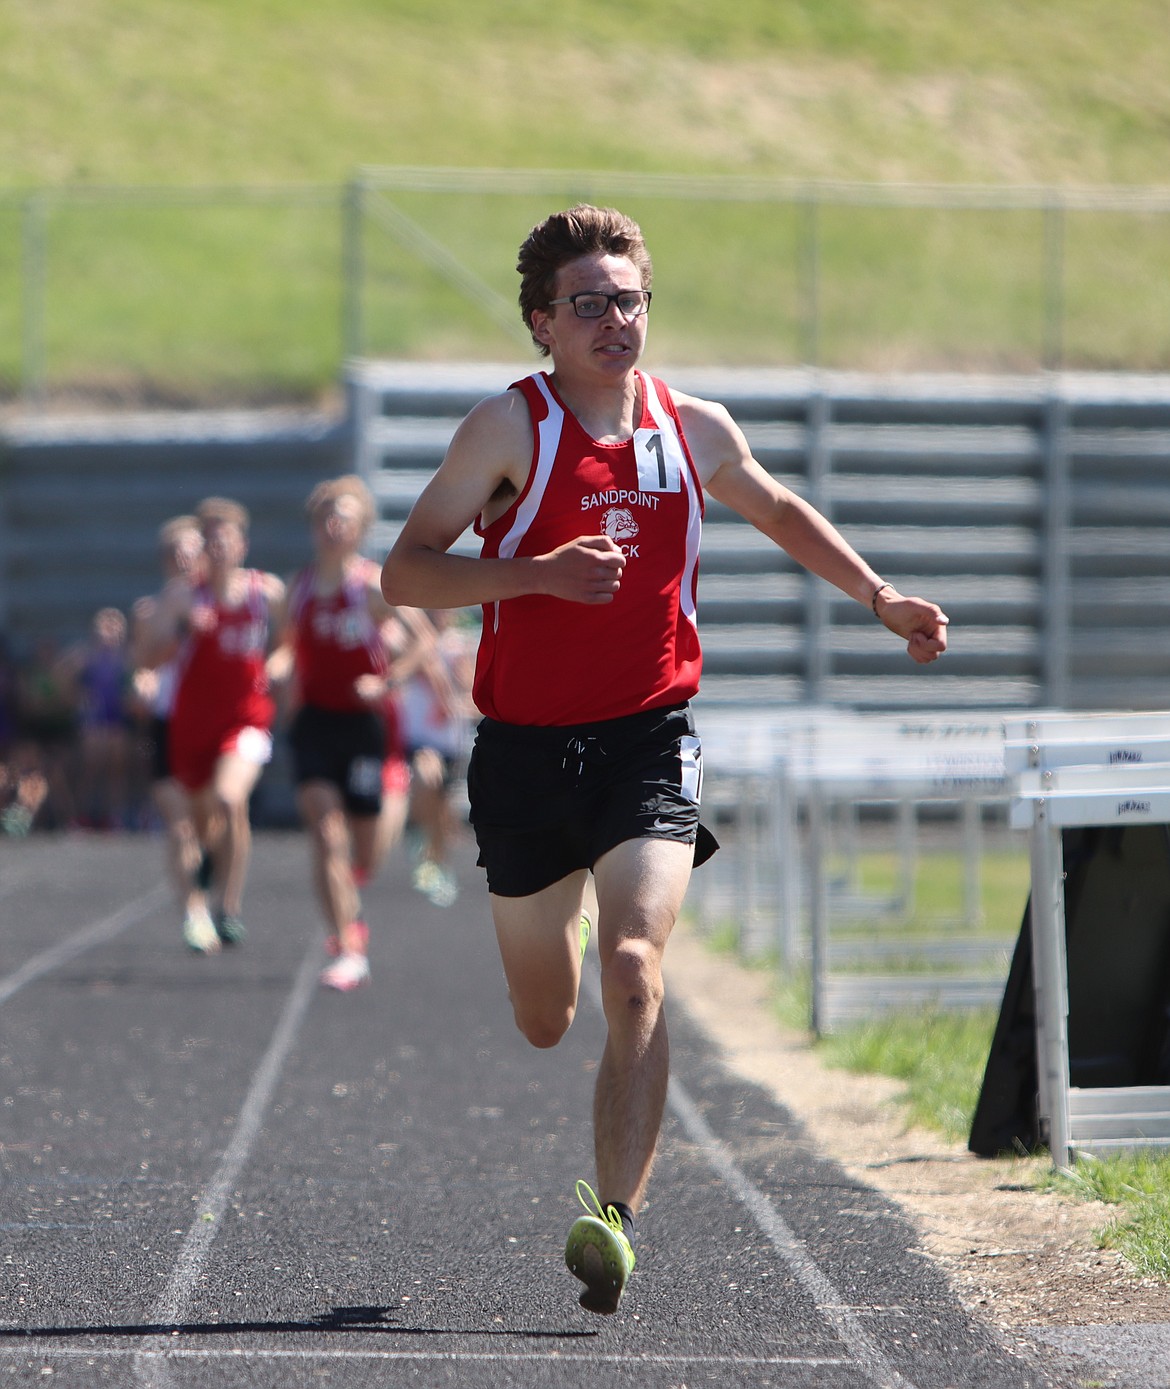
{"points": [[137, 293], [245, 291], [939, 1057], [1138, 1184], [228, 293], [209, 91], [940, 1060], [938, 893]]}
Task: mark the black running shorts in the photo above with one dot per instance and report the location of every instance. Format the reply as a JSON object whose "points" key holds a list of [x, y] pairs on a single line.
{"points": [[344, 749], [546, 802], [160, 762]]}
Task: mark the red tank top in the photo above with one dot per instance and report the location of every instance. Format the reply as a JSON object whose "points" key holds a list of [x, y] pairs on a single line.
{"points": [[546, 661], [336, 639], [222, 682]]}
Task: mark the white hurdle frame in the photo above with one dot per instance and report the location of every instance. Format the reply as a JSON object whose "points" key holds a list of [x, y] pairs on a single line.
{"points": [[1075, 770]]}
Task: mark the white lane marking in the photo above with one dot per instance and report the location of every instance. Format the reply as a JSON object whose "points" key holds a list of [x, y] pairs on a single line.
{"points": [[169, 1311], [250, 1353], [829, 1302], [80, 941], [864, 1350], [213, 1201]]}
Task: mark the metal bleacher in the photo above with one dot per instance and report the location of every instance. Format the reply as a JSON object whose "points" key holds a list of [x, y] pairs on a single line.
{"points": [[82, 496], [1033, 509]]}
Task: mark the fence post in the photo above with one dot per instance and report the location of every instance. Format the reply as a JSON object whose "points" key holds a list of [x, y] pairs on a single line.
{"points": [[972, 815], [786, 863], [1050, 981], [33, 254], [353, 329], [907, 856], [810, 279], [819, 909], [1055, 557], [753, 934], [1056, 468], [1053, 281], [818, 465]]}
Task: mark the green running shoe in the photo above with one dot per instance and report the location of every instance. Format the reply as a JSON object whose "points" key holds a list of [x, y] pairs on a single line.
{"points": [[598, 1252], [586, 927], [230, 929]]}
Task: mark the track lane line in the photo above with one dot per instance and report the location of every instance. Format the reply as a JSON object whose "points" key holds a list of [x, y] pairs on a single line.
{"points": [[80, 941], [169, 1310], [251, 1353], [867, 1355]]}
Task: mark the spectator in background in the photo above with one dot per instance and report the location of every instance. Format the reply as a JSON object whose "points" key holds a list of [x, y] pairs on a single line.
{"points": [[9, 677], [47, 719], [436, 714], [99, 670], [23, 788]]}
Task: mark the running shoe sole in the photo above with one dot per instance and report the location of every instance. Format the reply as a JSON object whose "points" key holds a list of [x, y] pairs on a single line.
{"points": [[600, 1257]]}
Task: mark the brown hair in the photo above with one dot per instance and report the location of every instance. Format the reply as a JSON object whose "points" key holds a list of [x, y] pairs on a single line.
{"points": [[580, 231], [221, 509], [348, 485], [170, 531]]}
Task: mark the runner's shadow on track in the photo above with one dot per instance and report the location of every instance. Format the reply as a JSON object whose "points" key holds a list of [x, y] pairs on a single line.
{"points": [[338, 1319]]}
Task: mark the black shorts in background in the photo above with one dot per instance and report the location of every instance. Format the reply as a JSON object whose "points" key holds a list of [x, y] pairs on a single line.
{"points": [[342, 748], [160, 759], [546, 802]]}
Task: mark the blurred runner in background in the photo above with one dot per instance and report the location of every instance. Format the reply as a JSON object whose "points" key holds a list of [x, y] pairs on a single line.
{"points": [[219, 737], [436, 727], [345, 652]]}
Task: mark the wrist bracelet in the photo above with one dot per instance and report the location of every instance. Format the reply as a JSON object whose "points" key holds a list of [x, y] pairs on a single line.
{"points": [[873, 601]]}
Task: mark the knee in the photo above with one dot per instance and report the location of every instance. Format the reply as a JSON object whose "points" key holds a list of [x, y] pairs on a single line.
{"points": [[427, 769], [543, 1028], [331, 833], [631, 980], [182, 832], [227, 807]]}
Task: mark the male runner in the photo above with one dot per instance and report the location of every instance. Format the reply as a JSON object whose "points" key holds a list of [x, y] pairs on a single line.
{"points": [[586, 485]]}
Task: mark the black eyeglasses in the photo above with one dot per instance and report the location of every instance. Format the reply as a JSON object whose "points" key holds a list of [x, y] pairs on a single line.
{"points": [[590, 304]]}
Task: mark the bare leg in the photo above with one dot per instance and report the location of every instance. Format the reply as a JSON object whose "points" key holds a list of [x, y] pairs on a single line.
{"points": [[640, 889], [183, 852], [206, 821], [324, 817], [371, 847], [539, 938], [428, 799], [235, 779]]}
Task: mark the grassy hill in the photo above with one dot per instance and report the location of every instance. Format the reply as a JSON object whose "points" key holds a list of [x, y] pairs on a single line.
{"points": [[227, 293], [206, 91]]}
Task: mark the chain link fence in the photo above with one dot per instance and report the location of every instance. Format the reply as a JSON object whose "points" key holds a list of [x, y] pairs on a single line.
{"points": [[244, 294]]}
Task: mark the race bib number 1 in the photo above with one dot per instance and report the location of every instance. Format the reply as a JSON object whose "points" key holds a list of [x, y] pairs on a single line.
{"points": [[659, 459]]}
